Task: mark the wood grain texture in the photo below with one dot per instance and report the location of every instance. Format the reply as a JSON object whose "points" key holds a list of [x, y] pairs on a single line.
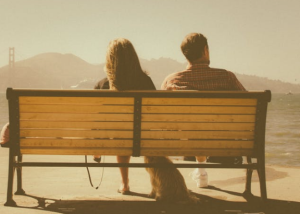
{"points": [[197, 126], [28, 124], [75, 133], [77, 100], [196, 152], [78, 143], [170, 126], [198, 110], [80, 109], [197, 135], [198, 118], [77, 151], [199, 101], [200, 144], [75, 117]]}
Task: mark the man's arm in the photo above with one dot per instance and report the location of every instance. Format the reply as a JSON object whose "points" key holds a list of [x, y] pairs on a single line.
{"points": [[167, 85], [164, 85]]}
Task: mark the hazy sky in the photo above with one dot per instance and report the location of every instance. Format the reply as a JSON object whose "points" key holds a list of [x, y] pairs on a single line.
{"points": [[259, 37]]}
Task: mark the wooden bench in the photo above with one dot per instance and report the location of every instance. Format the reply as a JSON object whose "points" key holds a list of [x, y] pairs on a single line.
{"points": [[137, 123]]}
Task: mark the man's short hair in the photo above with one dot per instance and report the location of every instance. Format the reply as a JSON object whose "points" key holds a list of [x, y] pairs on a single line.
{"points": [[193, 46]]}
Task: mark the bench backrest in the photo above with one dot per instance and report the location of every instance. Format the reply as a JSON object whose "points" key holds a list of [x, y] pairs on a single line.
{"points": [[148, 123]]}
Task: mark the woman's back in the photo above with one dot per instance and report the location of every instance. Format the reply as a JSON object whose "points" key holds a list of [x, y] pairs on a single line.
{"points": [[143, 82]]}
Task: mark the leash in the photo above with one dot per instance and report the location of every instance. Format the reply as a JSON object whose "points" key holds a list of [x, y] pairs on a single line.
{"points": [[90, 179]]}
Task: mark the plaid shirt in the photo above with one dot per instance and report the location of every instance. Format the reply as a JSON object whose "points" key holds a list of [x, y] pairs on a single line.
{"points": [[200, 76]]}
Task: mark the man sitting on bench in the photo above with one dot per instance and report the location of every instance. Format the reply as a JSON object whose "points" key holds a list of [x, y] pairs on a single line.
{"points": [[199, 76]]}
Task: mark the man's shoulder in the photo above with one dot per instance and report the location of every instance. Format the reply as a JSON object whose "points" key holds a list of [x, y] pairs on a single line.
{"points": [[195, 72], [223, 71], [219, 69]]}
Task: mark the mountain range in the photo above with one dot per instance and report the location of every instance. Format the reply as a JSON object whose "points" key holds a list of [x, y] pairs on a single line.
{"points": [[66, 71]]}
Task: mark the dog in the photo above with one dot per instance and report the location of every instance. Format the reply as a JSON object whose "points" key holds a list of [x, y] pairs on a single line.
{"points": [[167, 183]]}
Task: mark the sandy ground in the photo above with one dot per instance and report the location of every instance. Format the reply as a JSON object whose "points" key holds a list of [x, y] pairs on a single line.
{"points": [[67, 190]]}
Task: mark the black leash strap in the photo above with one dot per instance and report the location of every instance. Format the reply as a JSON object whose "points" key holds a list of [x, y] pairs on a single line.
{"points": [[87, 168]]}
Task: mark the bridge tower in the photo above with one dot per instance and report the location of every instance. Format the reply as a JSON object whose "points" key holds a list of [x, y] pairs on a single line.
{"points": [[11, 66]]}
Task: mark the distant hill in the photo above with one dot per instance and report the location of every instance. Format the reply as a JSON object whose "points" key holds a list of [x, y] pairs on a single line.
{"points": [[158, 69], [49, 70], [66, 71], [252, 82]]}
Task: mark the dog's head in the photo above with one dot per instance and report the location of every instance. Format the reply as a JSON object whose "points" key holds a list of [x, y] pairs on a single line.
{"points": [[157, 159], [149, 159]]}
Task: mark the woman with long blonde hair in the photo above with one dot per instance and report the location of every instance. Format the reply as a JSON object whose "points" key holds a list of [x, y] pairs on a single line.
{"points": [[124, 72]]}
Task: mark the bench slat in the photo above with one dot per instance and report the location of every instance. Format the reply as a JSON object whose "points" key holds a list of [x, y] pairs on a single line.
{"points": [[198, 110], [76, 133], [37, 142], [195, 152], [128, 152], [144, 152], [75, 117], [75, 125], [77, 100], [199, 101], [198, 118], [79, 151], [75, 109], [222, 144], [129, 109], [197, 126], [197, 135], [129, 117]]}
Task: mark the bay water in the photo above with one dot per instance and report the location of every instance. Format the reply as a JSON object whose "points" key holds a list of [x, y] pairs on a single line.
{"points": [[282, 131]]}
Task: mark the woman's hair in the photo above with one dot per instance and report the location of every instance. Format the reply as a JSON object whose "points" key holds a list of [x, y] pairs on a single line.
{"points": [[122, 65]]}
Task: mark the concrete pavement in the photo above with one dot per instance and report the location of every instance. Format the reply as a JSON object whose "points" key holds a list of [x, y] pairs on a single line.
{"points": [[67, 190]]}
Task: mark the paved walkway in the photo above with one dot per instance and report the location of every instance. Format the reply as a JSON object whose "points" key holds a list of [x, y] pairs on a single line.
{"points": [[67, 190]]}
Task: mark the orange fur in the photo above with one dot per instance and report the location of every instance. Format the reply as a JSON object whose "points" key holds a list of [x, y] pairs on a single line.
{"points": [[167, 183]]}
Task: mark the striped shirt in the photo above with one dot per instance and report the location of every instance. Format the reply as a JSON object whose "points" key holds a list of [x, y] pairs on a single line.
{"points": [[199, 76]]}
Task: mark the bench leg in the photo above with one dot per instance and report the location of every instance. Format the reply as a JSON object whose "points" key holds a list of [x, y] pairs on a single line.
{"points": [[249, 172], [20, 190], [11, 173], [262, 179]]}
